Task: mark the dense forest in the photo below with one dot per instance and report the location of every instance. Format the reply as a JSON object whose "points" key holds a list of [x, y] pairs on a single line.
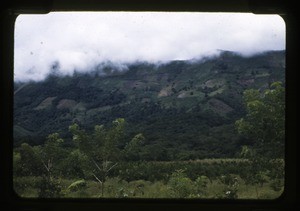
{"points": [[186, 129]]}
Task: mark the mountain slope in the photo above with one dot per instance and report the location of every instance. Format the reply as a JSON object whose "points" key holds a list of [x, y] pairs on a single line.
{"points": [[185, 109]]}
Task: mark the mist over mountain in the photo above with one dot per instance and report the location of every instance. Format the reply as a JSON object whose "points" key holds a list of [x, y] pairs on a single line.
{"points": [[82, 40], [184, 108]]}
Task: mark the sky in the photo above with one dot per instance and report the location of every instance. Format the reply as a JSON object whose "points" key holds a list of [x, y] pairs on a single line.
{"points": [[80, 41]]}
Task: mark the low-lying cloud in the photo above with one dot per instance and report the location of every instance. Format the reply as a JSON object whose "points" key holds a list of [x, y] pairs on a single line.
{"points": [[83, 41]]}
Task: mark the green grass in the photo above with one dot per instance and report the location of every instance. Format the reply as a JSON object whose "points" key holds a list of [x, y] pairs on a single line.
{"points": [[156, 180], [117, 188]]}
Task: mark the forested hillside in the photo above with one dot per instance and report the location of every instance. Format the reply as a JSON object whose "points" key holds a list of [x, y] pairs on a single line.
{"points": [[184, 109]]}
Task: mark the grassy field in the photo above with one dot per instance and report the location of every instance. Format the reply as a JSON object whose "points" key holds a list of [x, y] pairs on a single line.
{"points": [[117, 188], [182, 183]]}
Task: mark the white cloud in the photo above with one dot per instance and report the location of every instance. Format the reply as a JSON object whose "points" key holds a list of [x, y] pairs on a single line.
{"points": [[82, 40]]}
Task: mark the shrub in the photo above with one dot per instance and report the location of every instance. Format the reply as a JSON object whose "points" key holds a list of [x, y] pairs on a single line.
{"points": [[23, 184], [201, 185], [276, 184], [180, 185], [231, 186], [49, 188]]}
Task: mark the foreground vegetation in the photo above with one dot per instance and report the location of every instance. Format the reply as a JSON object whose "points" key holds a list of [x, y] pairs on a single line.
{"points": [[156, 180]]}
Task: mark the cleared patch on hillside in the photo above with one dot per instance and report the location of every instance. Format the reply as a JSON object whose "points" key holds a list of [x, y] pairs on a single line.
{"points": [[66, 104], [165, 92], [214, 83], [134, 85], [182, 95], [45, 103], [219, 106], [190, 93], [95, 111], [246, 82], [218, 91], [79, 107]]}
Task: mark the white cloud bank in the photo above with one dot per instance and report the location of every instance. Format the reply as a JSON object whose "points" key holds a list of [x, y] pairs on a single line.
{"points": [[82, 40]]}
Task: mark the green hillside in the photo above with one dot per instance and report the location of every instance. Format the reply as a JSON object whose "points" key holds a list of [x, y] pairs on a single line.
{"points": [[185, 109]]}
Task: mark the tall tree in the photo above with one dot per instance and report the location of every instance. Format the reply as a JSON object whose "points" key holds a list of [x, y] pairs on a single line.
{"points": [[264, 125], [101, 148], [133, 148], [50, 154], [264, 122]]}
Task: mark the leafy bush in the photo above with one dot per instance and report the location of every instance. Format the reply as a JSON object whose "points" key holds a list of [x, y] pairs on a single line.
{"points": [[201, 185], [49, 188], [181, 185], [277, 184], [231, 186], [23, 184]]}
